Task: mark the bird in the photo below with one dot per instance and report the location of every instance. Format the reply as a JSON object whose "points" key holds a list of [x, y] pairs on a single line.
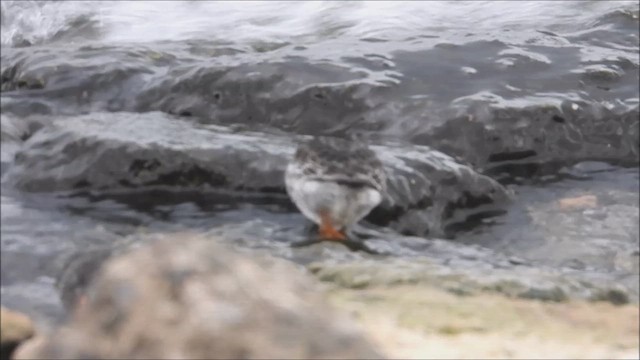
{"points": [[335, 182]]}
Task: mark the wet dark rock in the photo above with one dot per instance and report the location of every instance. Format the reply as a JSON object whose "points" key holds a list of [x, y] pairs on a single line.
{"points": [[519, 128], [79, 271], [13, 129], [528, 143], [429, 192], [189, 297], [76, 82], [13, 132], [289, 95], [588, 224]]}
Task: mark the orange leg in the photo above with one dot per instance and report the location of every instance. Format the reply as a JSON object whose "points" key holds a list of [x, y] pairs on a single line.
{"points": [[328, 231]]}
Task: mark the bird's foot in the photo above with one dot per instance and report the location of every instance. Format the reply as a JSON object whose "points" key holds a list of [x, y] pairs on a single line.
{"points": [[327, 229], [351, 242]]}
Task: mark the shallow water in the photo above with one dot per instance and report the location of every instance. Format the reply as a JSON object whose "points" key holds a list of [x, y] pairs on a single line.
{"points": [[302, 23], [564, 72]]}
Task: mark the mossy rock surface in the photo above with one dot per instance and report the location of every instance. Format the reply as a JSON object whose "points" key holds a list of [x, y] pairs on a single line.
{"points": [[423, 322]]}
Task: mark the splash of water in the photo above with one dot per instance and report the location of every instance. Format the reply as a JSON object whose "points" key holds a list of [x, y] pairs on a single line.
{"points": [[284, 21]]}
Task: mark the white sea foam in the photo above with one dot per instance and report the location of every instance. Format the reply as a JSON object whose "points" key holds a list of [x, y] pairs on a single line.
{"points": [[290, 21]]}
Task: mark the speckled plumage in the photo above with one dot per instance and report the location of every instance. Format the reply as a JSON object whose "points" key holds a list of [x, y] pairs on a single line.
{"points": [[342, 160], [342, 178]]}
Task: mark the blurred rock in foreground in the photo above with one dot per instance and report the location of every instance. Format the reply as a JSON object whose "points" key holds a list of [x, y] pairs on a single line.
{"points": [[15, 328], [188, 297]]}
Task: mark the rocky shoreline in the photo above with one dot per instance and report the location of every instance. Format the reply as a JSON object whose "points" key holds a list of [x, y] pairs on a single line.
{"points": [[143, 159], [202, 298], [445, 230]]}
